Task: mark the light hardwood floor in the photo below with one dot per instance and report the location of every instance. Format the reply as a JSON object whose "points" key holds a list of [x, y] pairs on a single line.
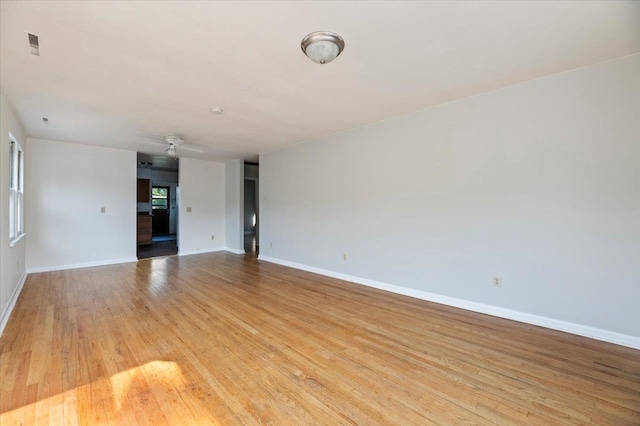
{"points": [[224, 339]]}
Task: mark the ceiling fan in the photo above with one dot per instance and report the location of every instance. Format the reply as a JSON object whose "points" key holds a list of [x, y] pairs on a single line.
{"points": [[173, 144]]}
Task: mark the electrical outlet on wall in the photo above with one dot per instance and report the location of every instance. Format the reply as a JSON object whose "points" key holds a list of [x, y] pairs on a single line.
{"points": [[213, 237], [344, 257], [497, 281]]}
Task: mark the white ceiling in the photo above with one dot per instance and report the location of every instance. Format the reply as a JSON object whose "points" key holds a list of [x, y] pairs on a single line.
{"points": [[111, 73]]}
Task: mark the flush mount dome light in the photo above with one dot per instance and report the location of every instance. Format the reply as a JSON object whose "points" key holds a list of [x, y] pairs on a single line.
{"points": [[322, 47]]}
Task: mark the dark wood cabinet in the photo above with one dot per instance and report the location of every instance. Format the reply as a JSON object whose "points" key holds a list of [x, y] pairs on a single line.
{"points": [[144, 186], [145, 226]]}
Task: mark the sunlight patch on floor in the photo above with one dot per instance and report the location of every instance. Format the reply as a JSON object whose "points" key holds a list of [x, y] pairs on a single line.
{"points": [[159, 380]]}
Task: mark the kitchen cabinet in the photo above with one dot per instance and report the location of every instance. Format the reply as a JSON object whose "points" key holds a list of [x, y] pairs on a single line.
{"points": [[145, 223], [144, 187]]}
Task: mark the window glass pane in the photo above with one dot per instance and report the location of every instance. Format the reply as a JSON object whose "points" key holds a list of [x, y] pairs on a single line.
{"points": [[19, 171], [19, 214], [159, 192], [159, 203], [12, 150], [12, 210]]}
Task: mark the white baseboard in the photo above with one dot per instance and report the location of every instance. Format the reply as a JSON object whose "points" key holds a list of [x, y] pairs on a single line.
{"points": [[189, 253], [6, 313], [236, 251], [496, 311], [81, 265]]}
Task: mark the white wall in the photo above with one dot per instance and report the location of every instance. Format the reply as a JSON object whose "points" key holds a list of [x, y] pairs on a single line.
{"points": [[538, 183], [12, 259], [67, 184], [202, 189], [234, 198]]}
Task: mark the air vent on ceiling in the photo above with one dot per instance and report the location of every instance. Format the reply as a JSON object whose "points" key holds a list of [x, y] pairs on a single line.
{"points": [[34, 44]]}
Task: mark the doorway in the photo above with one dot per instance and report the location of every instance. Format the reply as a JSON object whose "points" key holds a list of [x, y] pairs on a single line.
{"points": [[251, 209], [157, 207], [160, 205]]}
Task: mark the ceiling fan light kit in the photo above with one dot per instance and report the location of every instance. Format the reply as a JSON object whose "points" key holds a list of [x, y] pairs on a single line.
{"points": [[322, 47], [171, 151]]}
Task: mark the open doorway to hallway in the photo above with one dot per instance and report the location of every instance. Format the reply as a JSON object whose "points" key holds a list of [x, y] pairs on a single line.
{"points": [[157, 207], [251, 210]]}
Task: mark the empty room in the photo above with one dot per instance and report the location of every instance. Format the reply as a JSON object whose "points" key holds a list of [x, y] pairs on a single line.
{"points": [[319, 212]]}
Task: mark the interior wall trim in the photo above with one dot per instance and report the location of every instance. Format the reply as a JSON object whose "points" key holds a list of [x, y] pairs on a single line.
{"points": [[496, 311], [232, 250], [81, 265], [6, 313], [189, 253]]}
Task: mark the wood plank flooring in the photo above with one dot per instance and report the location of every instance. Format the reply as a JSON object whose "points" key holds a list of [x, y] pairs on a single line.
{"points": [[162, 246], [225, 339]]}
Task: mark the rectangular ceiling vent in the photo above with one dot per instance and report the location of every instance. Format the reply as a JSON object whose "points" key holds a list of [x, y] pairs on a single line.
{"points": [[34, 44]]}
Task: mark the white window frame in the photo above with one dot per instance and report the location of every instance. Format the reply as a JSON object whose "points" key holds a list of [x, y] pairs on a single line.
{"points": [[16, 191]]}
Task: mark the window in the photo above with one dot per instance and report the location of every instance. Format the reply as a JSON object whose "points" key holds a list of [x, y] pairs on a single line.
{"points": [[159, 197], [16, 191]]}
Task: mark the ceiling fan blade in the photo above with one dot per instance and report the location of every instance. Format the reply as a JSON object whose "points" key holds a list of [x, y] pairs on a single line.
{"points": [[190, 148], [173, 141], [151, 142]]}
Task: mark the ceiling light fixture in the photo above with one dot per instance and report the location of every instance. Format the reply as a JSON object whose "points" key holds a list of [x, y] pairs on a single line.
{"points": [[322, 47], [216, 110], [172, 152]]}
